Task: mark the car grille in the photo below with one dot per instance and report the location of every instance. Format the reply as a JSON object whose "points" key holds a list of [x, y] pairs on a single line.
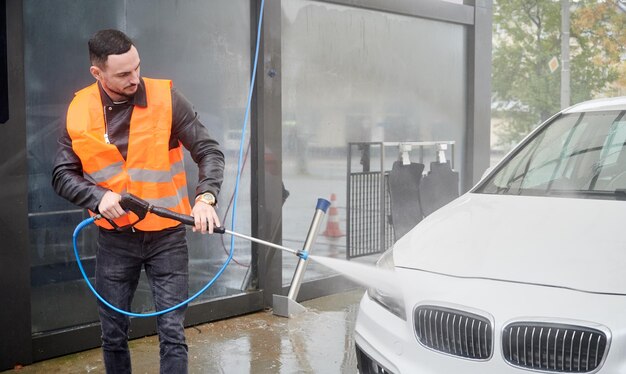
{"points": [[553, 347], [454, 332]]}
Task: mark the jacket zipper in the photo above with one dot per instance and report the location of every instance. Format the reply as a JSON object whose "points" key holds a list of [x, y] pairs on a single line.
{"points": [[106, 126]]}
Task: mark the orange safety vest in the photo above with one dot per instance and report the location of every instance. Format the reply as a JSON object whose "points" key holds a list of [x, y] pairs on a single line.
{"points": [[151, 170]]}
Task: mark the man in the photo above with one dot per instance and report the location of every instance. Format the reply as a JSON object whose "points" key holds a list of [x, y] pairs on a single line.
{"points": [[124, 134]]}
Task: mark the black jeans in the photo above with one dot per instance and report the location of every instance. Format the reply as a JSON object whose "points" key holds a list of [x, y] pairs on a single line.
{"points": [[119, 259]]}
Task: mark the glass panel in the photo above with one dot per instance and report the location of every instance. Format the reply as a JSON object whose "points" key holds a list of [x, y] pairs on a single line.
{"points": [[206, 54], [204, 47], [354, 75]]}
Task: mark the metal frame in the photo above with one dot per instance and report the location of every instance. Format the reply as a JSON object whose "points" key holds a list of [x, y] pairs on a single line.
{"points": [[266, 136], [478, 143], [15, 316], [434, 10], [4, 84]]}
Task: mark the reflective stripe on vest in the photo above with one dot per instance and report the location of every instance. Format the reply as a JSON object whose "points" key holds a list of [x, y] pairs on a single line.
{"points": [[137, 175], [151, 170]]}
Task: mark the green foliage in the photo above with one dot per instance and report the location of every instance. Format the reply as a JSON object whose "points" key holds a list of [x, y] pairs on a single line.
{"points": [[527, 34]]}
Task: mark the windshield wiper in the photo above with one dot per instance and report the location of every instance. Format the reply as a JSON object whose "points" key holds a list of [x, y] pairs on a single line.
{"points": [[618, 194]]}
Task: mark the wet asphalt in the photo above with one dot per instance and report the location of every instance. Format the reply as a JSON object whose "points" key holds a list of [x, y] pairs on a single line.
{"points": [[319, 340]]}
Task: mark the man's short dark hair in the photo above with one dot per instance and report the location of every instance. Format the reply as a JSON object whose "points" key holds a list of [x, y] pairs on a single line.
{"points": [[105, 43]]}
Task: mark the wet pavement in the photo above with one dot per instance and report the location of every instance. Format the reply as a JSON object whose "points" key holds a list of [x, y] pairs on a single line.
{"points": [[319, 340]]}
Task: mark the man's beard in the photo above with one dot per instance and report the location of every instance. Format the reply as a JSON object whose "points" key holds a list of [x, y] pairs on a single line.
{"points": [[123, 94]]}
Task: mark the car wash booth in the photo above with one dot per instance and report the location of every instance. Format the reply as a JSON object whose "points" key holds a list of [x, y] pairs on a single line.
{"points": [[342, 87]]}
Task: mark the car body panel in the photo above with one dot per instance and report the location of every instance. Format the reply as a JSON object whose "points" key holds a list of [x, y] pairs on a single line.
{"points": [[392, 342], [611, 103], [505, 237]]}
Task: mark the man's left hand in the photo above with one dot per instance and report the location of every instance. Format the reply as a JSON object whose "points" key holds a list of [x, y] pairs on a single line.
{"points": [[205, 217]]}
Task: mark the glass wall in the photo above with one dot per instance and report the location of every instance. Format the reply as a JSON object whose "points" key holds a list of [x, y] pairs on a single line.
{"points": [[353, 75], [204, 47]]}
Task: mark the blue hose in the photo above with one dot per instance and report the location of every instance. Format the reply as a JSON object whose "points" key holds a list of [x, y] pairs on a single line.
{"points": [[88, 221]]}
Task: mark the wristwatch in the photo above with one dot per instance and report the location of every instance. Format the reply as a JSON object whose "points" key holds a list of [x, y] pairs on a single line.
{"points": [[207, 198]]}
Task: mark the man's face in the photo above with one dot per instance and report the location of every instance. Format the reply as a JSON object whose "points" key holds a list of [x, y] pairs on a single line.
{"points": [[120, 75]]}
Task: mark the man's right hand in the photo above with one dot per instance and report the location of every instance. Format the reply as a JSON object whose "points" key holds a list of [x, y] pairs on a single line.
{"points": [[110, 207]]}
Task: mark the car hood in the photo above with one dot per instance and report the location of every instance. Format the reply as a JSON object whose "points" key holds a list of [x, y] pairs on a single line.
{"points": [[560, 242]]}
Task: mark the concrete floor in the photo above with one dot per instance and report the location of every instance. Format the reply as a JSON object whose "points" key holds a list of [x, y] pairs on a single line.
{"points": [[319, 340]]}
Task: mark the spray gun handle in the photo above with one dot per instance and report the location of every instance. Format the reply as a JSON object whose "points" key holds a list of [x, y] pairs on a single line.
{"points": [[141, 207], [130, 202], [183, 218]]}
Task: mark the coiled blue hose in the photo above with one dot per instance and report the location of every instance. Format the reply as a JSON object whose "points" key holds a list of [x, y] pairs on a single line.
{"points": [[90, 220]]}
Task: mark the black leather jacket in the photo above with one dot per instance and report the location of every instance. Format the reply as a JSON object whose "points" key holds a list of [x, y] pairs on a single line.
{"points": [[67, 173]]}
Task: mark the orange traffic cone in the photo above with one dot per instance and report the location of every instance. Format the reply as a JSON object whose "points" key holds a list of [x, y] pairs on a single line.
{"points": [[332, 224]]}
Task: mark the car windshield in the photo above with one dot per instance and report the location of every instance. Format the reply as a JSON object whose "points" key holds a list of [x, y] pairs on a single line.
{"points": [[576, 155]]}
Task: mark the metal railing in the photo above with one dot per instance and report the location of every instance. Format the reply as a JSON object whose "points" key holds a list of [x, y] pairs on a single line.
{"points": [[368, 228]]}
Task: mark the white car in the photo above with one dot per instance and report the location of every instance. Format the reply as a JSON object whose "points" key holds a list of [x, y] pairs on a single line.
{"points": [[526, 272]]}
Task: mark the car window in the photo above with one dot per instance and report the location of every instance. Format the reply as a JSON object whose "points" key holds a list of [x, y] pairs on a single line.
{"points": [[576, 155], [613, 155]]}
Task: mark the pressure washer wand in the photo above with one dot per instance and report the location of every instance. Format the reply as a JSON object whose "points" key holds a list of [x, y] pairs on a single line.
{"points": [[221, 230], [141, 207]]}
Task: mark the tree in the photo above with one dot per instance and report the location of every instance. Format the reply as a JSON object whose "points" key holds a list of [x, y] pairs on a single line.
{"points": [[527, 36]]}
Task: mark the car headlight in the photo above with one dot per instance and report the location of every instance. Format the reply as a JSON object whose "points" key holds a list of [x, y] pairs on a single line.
{"points": [[393, 303]]}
